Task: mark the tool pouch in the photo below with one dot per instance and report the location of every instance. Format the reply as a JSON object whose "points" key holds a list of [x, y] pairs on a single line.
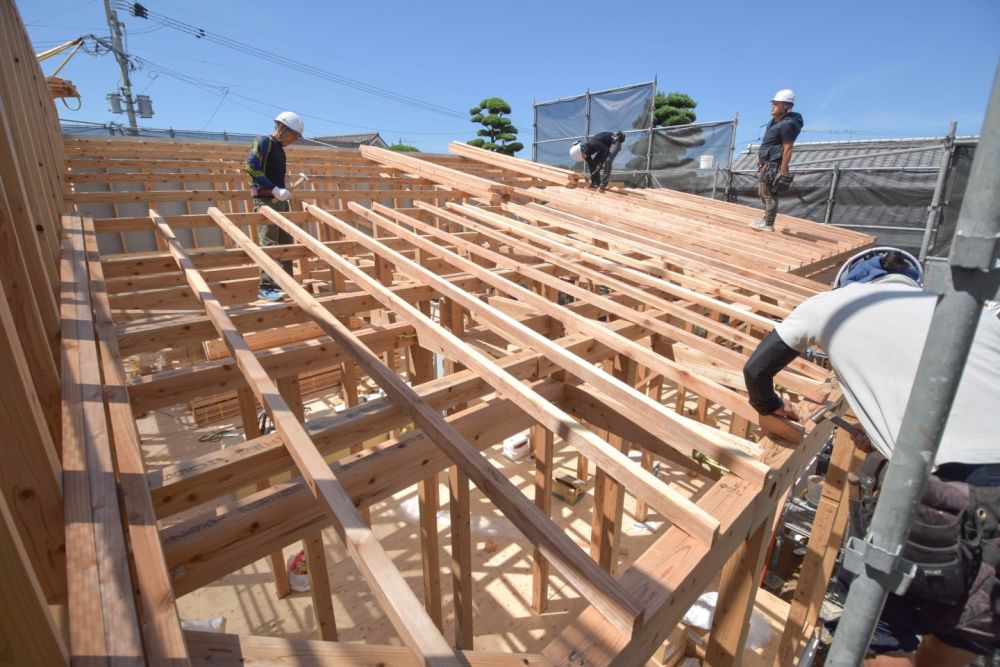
{"points": [[766, 172], [782, 183], [936, 546]]}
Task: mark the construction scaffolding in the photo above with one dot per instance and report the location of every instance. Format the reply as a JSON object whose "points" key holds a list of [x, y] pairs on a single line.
{"points": [[484, 296]]}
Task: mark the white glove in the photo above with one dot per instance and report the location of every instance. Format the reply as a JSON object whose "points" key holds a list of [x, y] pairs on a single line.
{"points": [[281, 194]]}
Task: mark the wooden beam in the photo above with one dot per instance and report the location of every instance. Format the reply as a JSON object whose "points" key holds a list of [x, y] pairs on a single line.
{"points": [[659, 495], [392, 591], [102, 616], [161, 624], [575, 322], [575, 566], [210, 545]]}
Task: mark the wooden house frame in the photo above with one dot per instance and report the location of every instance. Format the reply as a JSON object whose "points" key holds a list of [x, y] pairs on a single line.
{"points": [[594, 320]]}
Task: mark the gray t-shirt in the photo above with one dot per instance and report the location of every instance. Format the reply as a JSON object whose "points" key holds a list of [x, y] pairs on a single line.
{"points": [[874, 335]]}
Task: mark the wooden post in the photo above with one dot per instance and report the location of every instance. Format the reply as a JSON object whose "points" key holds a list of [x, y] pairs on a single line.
{"points": [[421, 370], [319, 585], [461, 511], [737, 591], [541, 447], [824, 543], [609, 495], [251, 429]]}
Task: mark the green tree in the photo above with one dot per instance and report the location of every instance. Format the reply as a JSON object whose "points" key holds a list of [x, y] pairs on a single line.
{"points": [[673, 109], [400, 147], [498, 134]]}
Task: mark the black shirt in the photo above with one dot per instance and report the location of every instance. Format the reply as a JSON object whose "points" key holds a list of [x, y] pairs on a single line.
{"points": [[779, 132]]}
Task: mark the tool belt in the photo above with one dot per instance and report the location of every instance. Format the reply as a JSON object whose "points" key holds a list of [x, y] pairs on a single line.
{"points": [[770, 174], [954, 532], [261, 193]]}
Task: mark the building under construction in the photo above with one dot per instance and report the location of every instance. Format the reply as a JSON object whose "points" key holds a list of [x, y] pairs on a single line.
{"points": [[501, 415]]}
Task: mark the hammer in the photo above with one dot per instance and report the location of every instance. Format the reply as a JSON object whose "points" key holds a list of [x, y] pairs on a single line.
{"points": [[298, 182], [817, 417]]}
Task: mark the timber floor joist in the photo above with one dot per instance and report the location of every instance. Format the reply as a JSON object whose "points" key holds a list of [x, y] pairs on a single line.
{"points": [[485, 296]]}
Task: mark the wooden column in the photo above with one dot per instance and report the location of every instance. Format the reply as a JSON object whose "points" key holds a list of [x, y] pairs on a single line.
{"points": [[609, 495], [824, 543], [737, 592], [541, 447], [251, 429], [461, 512], [421, 370]]}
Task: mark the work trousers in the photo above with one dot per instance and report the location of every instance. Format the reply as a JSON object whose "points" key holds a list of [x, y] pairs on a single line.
{"points": [[272, 235], [765, 190], [602, 175]]}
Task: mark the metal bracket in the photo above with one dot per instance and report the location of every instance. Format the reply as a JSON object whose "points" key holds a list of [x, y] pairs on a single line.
{"points": [[940, 277], [889, 569]]}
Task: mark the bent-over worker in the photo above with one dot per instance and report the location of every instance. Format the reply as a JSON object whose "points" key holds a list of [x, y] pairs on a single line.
{"points": [[872, 327], [599, 152]]}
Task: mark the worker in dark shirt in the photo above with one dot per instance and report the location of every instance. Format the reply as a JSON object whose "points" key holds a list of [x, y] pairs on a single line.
{"points": [[599, 152], [266, 166], [774, 156]]}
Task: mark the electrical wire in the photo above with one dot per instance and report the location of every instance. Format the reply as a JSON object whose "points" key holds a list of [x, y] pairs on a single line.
{"points": [[274, 58], [60, 13]]}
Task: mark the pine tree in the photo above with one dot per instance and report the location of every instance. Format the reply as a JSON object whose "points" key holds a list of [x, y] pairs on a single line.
{"points": [[498, 134]]}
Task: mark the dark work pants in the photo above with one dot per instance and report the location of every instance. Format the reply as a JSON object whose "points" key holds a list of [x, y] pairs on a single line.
{"points": [[272, 235], [768, 196], [602, 175]]}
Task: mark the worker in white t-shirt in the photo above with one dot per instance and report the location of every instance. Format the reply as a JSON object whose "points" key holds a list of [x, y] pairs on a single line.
{"points": [[872, 327]]}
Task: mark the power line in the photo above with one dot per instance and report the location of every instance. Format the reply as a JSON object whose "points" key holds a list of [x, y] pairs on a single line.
{"points": [[140, 11]]}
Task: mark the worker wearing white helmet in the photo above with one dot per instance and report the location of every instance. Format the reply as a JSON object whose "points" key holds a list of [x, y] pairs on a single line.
{"points": [[599, 152], [774, 156], [267, 167], [872, 327]]}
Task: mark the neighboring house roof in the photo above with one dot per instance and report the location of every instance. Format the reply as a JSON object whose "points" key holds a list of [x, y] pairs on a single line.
{"points": [[746, 160], [351, 140]]}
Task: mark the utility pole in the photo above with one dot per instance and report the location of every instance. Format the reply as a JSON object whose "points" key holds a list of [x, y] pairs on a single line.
{"points": [[116, 42]]}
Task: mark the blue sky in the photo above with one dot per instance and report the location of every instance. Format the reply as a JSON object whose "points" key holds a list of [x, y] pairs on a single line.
{"points": [[860, 69]]}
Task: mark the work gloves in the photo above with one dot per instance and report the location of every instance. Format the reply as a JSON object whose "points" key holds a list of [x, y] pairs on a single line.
{"points": [[281, 194], [782, 183]]}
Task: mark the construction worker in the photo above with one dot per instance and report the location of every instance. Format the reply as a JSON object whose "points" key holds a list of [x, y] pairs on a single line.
{"points": [[872, 326], [266, 166], [599, 152], [774, 156]]}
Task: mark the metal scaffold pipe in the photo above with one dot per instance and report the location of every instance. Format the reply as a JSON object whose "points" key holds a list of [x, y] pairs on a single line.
{"points": [[972, 274]]}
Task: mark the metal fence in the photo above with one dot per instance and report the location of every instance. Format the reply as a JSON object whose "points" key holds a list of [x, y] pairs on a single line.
{"points": [[648, 153]]}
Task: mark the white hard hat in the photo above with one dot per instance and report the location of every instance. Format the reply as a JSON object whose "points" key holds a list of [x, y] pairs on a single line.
{"points": [[867, 267], [291, 120], [784, 95], [575, 151]]}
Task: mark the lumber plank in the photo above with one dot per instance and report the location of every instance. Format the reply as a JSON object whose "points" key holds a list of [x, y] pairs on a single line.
{"points": [[161, 624], [657, 494], [653, 416], [102, 617], [205, 547], [574, 566], [390, 588]]}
